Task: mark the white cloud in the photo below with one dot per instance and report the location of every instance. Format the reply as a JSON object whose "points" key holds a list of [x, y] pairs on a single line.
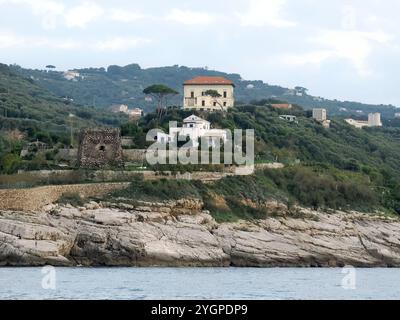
{"points": [[11, 40], [352, 46], [349, 18], [120, 43], [265, 13], [190, 17], [83, 14], [125, 16], [48, 10]]}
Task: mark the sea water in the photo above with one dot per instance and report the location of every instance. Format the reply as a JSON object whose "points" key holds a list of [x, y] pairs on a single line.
{"points": [[198, 283]]}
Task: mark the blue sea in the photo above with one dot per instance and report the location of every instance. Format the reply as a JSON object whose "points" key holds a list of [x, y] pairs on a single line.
{"points": [[198, 283]]}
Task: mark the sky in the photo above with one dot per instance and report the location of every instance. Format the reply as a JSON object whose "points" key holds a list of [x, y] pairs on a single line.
{"points": [[342, 49]]}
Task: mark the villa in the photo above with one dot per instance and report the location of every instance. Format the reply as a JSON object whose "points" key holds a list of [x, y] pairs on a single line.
{"points": [[197, 94], [374, 120], [194, 128]]}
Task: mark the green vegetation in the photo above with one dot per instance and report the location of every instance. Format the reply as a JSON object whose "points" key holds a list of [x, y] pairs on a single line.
{"points": [[102, 87], [30, 113], [341, 167], [245, 197]]}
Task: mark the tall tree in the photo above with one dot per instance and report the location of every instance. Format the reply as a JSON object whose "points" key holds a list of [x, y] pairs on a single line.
{"points": [[160, 92], [215, 95]]}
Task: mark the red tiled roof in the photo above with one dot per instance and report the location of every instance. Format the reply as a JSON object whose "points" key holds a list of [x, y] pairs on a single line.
{"points": [[209, 80]]}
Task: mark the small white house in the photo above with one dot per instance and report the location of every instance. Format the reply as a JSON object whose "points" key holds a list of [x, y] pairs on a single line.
{"points": [[289, 118], [193, 129]]}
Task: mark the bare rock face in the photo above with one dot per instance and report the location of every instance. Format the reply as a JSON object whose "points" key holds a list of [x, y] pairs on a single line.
{"points": [[179, 233]]}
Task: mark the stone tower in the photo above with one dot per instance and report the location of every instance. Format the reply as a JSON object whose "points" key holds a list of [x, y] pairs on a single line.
{"points": [[100, 148]]}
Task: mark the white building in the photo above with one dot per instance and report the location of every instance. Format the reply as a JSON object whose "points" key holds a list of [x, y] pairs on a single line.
{"points": [[71, 75], [397, 115], [374, 120], [319, 114], [288, 117], [119, 108], [194, 128], [135, 113], [196, 97]]}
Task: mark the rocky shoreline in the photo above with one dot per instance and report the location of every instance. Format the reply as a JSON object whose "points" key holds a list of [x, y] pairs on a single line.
{"points": [[180, 233]]}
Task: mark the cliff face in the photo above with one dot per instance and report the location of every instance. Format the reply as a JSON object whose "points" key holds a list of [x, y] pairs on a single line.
{"points": [[181, 234]]}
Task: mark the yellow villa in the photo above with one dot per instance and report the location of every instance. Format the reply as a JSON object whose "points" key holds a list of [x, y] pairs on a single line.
{"points": [[197, 97]]}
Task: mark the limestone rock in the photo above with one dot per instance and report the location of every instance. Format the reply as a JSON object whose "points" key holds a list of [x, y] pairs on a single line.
{"points": [[179, 233]]}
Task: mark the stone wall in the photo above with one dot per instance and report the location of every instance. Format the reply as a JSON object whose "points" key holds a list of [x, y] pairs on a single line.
{"points": [[99, 148], [36, 198], [136, 156]]}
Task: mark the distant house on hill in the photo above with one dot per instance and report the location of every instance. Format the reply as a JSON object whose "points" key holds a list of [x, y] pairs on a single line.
{"points": [[289, 118], [135, 113], [71, 75], [208, 93], [374, 120], [320, 115], [194, 128]]}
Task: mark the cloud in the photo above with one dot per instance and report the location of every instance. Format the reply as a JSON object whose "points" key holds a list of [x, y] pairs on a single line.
{"points": [[83, 14], [265, 13], [126, 16], [352, 46], [120, 43], [48, 10], [11, 40], [188, 17]]}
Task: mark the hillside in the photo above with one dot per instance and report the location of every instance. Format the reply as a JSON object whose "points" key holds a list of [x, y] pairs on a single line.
{"points": [[29, 113], [341, 167], [103, 87], [26, 106]]}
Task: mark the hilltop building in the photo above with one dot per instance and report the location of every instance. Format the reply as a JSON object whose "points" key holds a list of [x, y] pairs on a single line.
{"points": [[71, 75], [374, 120], [116, 108], [135, 113], [194, 128], [320, 115], [195, 93]]}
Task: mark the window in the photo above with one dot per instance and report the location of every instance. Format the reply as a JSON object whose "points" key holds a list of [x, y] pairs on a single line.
{"points": [[224, 104], [192, 94], [203, 103], [225, 94], [214, 104]]}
